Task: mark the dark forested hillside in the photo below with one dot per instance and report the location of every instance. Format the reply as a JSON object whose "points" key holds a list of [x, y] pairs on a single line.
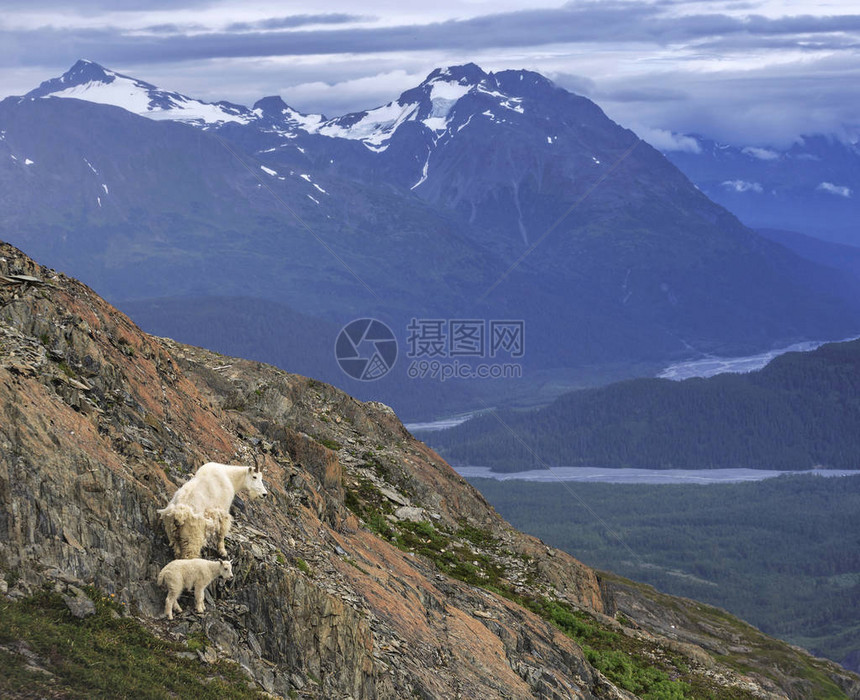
{"points": [[801, 411]]}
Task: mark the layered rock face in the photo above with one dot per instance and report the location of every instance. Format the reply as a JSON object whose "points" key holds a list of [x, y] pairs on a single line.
{"points": [[372, 570]]}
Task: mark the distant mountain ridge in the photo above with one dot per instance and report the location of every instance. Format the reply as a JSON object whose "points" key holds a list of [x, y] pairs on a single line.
{"points": [[474, 194], [840, 256], [811, 186], [801, 411]]}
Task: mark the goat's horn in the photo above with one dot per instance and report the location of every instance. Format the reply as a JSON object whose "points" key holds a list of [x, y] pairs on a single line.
{"points": [[256, 464]]}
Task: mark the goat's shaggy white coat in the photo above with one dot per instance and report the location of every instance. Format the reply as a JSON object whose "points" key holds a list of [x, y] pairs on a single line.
{"points": [[200, 509], [185, 574]]}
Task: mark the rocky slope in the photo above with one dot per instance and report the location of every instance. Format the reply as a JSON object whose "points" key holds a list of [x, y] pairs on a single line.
{"points": [[372, 571]]}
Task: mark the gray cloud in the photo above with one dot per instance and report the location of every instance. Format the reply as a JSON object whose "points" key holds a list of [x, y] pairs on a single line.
{"points": [[770, 106], [172, 28], [296, 21], [90, 7], [740, 42], [644, 94], [578, 23], [579, 84]]}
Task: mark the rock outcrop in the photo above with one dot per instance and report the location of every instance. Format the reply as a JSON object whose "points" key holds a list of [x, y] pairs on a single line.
{"points": [[372, 570]]}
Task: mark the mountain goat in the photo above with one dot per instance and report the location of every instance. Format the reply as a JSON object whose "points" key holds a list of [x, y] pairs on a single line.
{"points": [[185, 574], [200, 510]]}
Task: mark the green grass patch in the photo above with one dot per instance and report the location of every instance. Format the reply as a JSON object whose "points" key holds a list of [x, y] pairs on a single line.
{"points": [[477, 536], [102, 656], [635, 665], [197, 642], [376, 467], [65, 369], [367, 502], [330, 444], [303, 566]]}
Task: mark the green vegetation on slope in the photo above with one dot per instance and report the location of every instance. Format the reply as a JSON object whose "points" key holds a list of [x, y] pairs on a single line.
{"points": [[477, 557], [782, 553], [802, 410], [46, 652]]}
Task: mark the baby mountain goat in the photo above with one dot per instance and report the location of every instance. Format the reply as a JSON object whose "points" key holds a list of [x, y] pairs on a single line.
{"points": [[200, 510], [185, 574]]}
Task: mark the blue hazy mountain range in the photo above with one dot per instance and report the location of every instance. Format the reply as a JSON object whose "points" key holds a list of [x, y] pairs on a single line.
{"points": [[473, 195], [811, 187]]}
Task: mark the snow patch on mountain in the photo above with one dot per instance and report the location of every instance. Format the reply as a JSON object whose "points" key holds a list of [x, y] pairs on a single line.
{"points": [[374, 128], [431, 104], [506, 101], [443, 96], [423, 171], [124, 94], [188, 110], [465, 124], [290, 121], [93, 83]]}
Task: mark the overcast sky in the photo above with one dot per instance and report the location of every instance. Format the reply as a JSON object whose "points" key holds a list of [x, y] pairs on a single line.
{"points": [[742, 72]]}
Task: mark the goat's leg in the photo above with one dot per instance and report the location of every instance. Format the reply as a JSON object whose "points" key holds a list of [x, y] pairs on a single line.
{"points": [[223, 527], [170, 605], [199, 592]]}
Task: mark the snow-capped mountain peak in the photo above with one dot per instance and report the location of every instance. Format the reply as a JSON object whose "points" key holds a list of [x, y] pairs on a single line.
{"points": [[434, 108], [91, 82], [283, 119], [432, 104]]}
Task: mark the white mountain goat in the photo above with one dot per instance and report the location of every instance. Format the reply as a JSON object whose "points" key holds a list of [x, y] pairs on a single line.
{"points": [[200, 509], [185, 574]]}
